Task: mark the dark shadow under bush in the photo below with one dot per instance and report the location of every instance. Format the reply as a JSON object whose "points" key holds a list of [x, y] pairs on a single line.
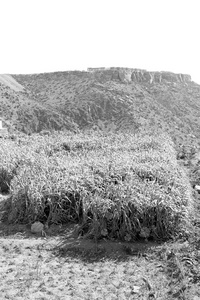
{"points": [[5, 179]]}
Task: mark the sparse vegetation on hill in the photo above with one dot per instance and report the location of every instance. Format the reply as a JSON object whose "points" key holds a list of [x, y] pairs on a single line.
{"points": [[116, 98], [143, 99], [23, 114]]}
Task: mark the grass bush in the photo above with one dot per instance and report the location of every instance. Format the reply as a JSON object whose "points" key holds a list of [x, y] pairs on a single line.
{"points": [[114, 185], [8, 163], [5, 179]]}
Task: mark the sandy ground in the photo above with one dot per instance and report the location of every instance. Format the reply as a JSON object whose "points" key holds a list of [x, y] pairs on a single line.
{"points": [[62, 266], [30, 270]]}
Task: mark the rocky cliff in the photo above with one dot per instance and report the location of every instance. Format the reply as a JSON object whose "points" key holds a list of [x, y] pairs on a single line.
{"points": [[128, 75]]}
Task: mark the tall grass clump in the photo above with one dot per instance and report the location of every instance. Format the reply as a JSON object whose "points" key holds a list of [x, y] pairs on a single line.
{"points": [[8, 163], [13, 154], [43, 189], [120, 186]]}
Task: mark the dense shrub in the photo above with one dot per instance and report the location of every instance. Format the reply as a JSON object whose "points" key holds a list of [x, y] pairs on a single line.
{"points": [[114, 185], [8, 163]]}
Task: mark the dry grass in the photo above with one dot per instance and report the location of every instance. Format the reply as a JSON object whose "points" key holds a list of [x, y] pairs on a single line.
{"points": [[118, 186]]}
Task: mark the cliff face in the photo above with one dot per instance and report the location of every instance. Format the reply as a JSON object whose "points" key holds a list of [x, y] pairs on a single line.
{"points": [[128, 75]]}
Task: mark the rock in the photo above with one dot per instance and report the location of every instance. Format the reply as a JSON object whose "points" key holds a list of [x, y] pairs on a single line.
{"points": [[136, 289], [127, 237], [181, 155], [186, 163], [37, 227], [104, 232], [170, 77], [197, 188], [103, 76], [127, 75], [145, 232]]}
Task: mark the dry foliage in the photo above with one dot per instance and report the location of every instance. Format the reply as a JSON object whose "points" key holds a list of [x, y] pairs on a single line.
{"points": [[120, 186]]}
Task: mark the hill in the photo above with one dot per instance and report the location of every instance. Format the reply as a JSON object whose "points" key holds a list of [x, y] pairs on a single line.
{"points": [[22, 112], [117, 98], [125, 186]]}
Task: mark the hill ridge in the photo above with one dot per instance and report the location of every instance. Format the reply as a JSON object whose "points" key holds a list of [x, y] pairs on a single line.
{"points": [[105, 98]]}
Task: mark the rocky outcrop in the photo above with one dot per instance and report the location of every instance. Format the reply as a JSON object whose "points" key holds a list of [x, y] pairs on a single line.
{"points": [[37, 227], [128, 75]]}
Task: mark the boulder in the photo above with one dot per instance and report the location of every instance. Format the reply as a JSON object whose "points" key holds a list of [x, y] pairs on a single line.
{"points": [[37, 227], [145, 232], [181, 155], [197, 188]]}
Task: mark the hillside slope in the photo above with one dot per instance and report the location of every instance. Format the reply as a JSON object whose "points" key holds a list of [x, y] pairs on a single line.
{"points": [[21, 112], [124, 98]]}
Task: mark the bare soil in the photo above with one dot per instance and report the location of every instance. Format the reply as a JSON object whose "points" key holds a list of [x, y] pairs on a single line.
{"points": [[61, 265]]}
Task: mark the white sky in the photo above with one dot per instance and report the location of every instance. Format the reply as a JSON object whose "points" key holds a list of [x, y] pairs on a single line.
{"points": [[58, 35]]}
